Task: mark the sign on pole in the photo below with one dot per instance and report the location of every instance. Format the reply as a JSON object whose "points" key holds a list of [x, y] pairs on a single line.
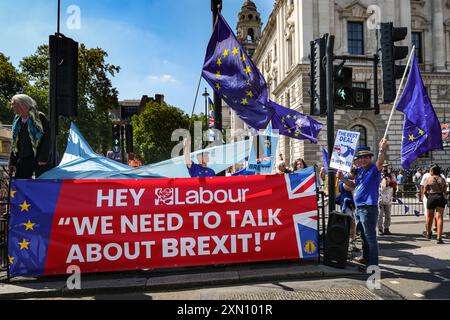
{"points": [[344, 150]]}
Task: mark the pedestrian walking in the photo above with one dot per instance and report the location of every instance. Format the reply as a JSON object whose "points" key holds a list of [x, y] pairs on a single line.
{"points": [[436, 191], [385, 204]]}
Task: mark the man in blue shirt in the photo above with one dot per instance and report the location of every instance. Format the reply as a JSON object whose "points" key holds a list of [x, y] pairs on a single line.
{"points": [[201, 169], [366, 196]]}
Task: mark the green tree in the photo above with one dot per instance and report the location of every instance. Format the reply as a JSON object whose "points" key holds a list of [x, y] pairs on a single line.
{"points": [[11, 82], [153, 130], [96, 95]]}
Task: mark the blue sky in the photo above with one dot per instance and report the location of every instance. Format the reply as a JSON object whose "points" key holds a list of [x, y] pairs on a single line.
{"points": [[159, 44]]}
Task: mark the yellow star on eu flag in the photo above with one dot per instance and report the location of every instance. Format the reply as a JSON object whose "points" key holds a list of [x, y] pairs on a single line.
{"points": [[13, 194], [218, 75], [25, 207], [244, 58], [411, 137], [29, 225], [244, 101], [226, 52], [219, 62], [248, 70], [24, 244], [235, 51], [249, 83], [421, 132], [11, 260], [250, 94], [218, 87], [299, 132], [288, 116]]}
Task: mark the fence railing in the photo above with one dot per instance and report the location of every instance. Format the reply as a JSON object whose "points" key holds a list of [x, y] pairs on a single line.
{"points": [[4, 198]]}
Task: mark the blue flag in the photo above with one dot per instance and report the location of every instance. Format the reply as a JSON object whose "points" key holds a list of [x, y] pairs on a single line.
{"points": [[231, 73], [422, 131], [325, 159], [294, 124]]}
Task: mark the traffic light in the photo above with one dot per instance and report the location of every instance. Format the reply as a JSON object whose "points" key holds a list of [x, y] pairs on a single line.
{"points": [[392, 53], [129, 138], [318, 90], [343, 82], [116, 138]]}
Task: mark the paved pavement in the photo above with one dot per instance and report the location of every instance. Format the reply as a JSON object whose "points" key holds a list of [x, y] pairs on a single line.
{"points": [[412, 268]]}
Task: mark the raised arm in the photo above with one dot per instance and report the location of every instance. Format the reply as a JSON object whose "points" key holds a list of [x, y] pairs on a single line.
{"points": [[382, 154], [349, 183]]}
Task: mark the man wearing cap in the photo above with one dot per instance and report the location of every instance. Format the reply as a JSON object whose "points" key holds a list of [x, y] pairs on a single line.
{"points": [[201, 169], [366, 197]]}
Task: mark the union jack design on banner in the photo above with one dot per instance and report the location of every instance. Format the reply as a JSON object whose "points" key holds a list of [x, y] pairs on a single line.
{"points": [[301, 184], [306, 226]]}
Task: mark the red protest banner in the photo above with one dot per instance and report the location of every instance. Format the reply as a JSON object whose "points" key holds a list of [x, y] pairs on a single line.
{"points": [[121, 225]]}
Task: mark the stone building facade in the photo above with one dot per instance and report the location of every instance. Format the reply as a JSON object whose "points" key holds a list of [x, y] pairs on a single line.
{"points": [[283, 49]]}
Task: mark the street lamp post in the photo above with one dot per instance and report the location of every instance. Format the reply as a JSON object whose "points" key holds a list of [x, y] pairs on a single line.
{"points": [[206, 95], [216, 8]]}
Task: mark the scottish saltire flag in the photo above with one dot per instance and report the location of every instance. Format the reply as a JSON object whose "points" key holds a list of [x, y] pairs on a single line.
{"points": [[211, 113], [231, 73], [294, 124], [325, 159], [32, 207], [422, 131]]}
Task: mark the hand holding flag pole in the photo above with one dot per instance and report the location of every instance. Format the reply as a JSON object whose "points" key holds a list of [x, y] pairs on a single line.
{"points": [[399, 90]]}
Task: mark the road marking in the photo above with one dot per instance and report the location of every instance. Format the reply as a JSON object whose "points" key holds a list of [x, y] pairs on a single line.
{"points": [[418, 295], [394, 282], [442, 278]]}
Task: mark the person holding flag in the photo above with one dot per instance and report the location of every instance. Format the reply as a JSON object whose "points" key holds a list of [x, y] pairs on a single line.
{"points": [[366, 197]]}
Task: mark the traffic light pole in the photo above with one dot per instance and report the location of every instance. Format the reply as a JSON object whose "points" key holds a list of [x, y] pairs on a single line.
{"points": [[330, 120]]}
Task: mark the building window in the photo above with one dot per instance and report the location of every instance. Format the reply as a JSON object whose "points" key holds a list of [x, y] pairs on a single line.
{"points": [[363, 137], [360, 85], [290, 52], [355, 36], [417, 41]]}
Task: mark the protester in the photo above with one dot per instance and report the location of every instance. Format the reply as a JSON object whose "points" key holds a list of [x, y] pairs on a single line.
{"points": [[282, 168], [299, 164], [366, 197], [436, 191], [31, 144], [347, 204], [385, 204], [201, 169]]}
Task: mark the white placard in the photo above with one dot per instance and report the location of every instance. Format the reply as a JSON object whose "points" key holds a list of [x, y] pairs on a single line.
{"points": [[344, 150]]}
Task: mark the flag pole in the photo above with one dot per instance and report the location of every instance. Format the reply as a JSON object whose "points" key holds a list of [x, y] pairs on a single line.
{"points": [[399, 90]]}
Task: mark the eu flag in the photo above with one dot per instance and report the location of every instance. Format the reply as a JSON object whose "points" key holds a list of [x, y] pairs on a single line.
{"points": [[231, 73], [422, 131], [294, 124]]}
